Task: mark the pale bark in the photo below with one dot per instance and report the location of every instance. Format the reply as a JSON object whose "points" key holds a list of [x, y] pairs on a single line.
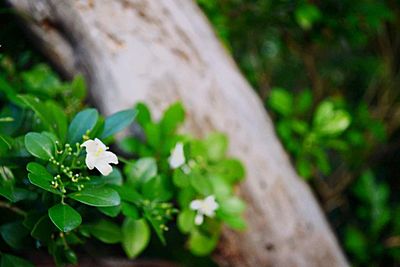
{"points": [[161, 51]]}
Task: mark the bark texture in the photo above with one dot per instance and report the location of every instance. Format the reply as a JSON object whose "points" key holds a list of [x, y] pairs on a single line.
{"points": [[161, 51]]}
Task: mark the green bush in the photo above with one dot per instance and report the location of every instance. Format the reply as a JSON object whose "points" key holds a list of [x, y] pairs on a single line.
{"points": [[51, 196]]}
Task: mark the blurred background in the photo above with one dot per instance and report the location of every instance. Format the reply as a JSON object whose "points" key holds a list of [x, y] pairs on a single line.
{"points": [[328, 73]]}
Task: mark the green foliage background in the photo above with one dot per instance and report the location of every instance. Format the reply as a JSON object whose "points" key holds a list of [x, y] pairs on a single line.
{"points": [[329, 75]]}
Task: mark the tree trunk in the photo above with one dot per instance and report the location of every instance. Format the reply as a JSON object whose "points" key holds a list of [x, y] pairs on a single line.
{"points": [[161, 51]]}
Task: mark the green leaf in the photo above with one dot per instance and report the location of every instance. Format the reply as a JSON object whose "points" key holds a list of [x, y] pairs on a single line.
{"points": [[106, 232], [115, 177], [157, 188], [232, 205], [356, 242], [71, 256], [43, 229], [38, 107], [180, 179], [298, 126], [65, 217], [306, 15], [118, 122], [200, 183], [6, 144], [156, 223], [41, 80], [216, 144], [304, 101], [186, 220], [135, 236], [322, 160], [14, 234], [39, 145], [144, 115], [49, 113], [7, 192], [304, 167], [8, 90], [173, 117], [98, 197], [200, 244], [142, 170], [153, 135], [83, 121], [40, 177], [57, 120], [330, 121], [130, 210], [15, 194], [78, 87], [110, 211], [235, 222], [281, 101], [185, 196], [221, 188], [128, 193], [232, 170], [8, 260]]}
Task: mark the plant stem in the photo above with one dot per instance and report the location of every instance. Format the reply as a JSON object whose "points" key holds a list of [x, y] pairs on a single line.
{"points": [[12, 208], [123, 160]]}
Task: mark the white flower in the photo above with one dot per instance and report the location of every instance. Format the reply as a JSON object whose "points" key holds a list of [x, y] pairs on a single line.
{"points": [[98, 157], [177, 157], [206, 207]]}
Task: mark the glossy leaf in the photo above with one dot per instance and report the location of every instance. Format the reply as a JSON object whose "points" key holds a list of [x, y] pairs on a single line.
{"points": [[173, 117], [118, 122], [83, 121], [65, 217], [14, 234], [8, 260], [330, 121], [135, 236], [281, 101], [98, 197], [200, 244], [106, 232], [112, 211], [40, 177], [186, 220], [142, 170], [39, 145], [130, 210], [216, 144]]}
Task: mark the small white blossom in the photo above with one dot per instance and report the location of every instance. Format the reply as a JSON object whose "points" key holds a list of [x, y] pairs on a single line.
{"points": [[177, 157], [98, 157], [186, 169], [204, 207]]}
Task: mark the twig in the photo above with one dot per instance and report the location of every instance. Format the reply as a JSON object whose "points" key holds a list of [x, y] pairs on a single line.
{"points": [[17, 210]]}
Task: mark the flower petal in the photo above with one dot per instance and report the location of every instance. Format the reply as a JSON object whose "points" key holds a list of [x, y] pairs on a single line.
{"points": [[198, 220], [177, 157], [195, 204], [208, 212], [104, 168], [100, 144], [90, 145], [90, 161], [109, 157]]}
